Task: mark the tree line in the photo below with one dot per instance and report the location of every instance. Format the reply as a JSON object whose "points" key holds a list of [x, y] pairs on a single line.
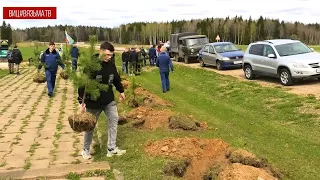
{"points": [[6, 32], [235, 29]]}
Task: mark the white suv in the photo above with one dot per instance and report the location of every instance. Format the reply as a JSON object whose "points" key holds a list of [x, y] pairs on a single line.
{"points": [[285, 59]]}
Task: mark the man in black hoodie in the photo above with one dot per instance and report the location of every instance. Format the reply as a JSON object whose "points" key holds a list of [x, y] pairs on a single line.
{"points": [[107, 75]]}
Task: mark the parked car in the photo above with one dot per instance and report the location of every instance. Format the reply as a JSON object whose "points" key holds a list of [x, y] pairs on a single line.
{"points": [[286, 59], [221, 55], [4, 47]]}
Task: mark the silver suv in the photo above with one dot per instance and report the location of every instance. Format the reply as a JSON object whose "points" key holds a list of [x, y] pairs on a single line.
{"points": [[286, 59]]}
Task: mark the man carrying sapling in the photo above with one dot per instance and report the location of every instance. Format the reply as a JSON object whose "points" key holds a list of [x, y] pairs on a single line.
{"points": [[105, 102], [51, 59]]}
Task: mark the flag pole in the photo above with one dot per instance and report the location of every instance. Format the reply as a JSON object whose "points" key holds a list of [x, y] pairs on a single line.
{"points": [[66, 40]]}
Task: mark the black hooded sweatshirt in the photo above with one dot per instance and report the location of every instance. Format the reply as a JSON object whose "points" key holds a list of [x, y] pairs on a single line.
{"points": [[107, 75]]}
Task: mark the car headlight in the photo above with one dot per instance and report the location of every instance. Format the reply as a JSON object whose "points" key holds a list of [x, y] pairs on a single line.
{"points": [[225, 59], [299, 65], [192, 50]]}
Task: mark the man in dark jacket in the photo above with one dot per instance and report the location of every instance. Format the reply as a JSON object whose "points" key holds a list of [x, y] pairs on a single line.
{"points": [[164, 62], [133, 59], [139, 62], [125, 60], [144, 54], [17, 57], [10, 61], [74, 57], [51, 59], [152, 55], [107, 75]]}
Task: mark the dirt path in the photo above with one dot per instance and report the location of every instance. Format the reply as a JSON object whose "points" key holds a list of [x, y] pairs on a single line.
{"points": [[301, 88], [34, 131]]}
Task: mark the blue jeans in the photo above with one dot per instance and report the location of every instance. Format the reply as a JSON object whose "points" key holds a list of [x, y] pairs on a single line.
{"points": [[165, 83], [152, 61], [125, 67], [51, 80], [74, 64]]}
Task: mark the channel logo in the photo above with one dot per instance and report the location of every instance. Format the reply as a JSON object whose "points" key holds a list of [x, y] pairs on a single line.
{"points": [[29, 12]]}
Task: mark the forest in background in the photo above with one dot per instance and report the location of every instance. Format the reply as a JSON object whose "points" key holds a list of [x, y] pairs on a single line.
{"points": [[236, 29]]}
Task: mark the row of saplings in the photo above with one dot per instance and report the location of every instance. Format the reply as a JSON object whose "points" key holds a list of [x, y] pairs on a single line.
{"points": [[191, 158], [150, 113]]}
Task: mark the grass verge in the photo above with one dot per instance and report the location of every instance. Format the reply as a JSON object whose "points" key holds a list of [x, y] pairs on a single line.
{"points": [[264, 121]]}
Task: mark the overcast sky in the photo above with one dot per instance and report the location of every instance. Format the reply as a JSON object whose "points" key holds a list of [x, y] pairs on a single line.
{"points": [[112, 13]]}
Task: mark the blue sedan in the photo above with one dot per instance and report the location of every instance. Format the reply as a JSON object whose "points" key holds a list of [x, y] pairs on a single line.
{"points": [[221, 55]]}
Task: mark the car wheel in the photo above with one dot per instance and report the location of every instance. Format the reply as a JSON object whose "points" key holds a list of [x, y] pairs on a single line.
{"points": [[285, 77], [219, 66], [176, 57], [202, 63], [248, 72], [186, 60]]}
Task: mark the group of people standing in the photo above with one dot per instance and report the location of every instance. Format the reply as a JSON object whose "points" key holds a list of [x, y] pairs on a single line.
{"points": [[135, 58], [132, 60]]}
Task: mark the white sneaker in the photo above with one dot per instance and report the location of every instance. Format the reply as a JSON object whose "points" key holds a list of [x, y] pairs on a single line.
{"points": [[86, 154], [116, 151]]}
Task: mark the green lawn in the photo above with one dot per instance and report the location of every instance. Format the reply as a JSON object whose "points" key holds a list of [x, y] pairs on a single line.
{"points": [[27, 52], [266, 121]]}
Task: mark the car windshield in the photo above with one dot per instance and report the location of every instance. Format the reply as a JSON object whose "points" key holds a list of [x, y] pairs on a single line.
{"points": [[4, 47], [225, 48], [197, 41], [291, 49]]}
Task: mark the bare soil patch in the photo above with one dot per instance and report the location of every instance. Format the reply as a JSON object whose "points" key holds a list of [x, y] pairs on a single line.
{"points": [[150, 118], [149, 99], [209, 159], [125, 83]]}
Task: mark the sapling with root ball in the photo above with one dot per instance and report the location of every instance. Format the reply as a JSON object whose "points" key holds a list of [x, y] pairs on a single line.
{"points": [[132, 102], [66, 59], [39, 77], [88, 64]]}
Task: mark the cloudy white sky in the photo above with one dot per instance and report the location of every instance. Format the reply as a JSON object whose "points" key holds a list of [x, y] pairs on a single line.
{"points": [[112, 13]]}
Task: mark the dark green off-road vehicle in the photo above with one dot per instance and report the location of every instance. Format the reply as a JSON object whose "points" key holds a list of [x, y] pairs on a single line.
{"points": [[186, 46]]}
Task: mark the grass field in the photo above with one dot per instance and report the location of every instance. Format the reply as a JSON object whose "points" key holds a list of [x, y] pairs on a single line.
{"points": [[263, 120], [266, 121]]}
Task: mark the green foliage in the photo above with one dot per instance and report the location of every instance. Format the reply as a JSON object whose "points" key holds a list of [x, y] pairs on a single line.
{"points": [[134, 87], [88, 63], [36, 59], [6, 32], [66, 60]]}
